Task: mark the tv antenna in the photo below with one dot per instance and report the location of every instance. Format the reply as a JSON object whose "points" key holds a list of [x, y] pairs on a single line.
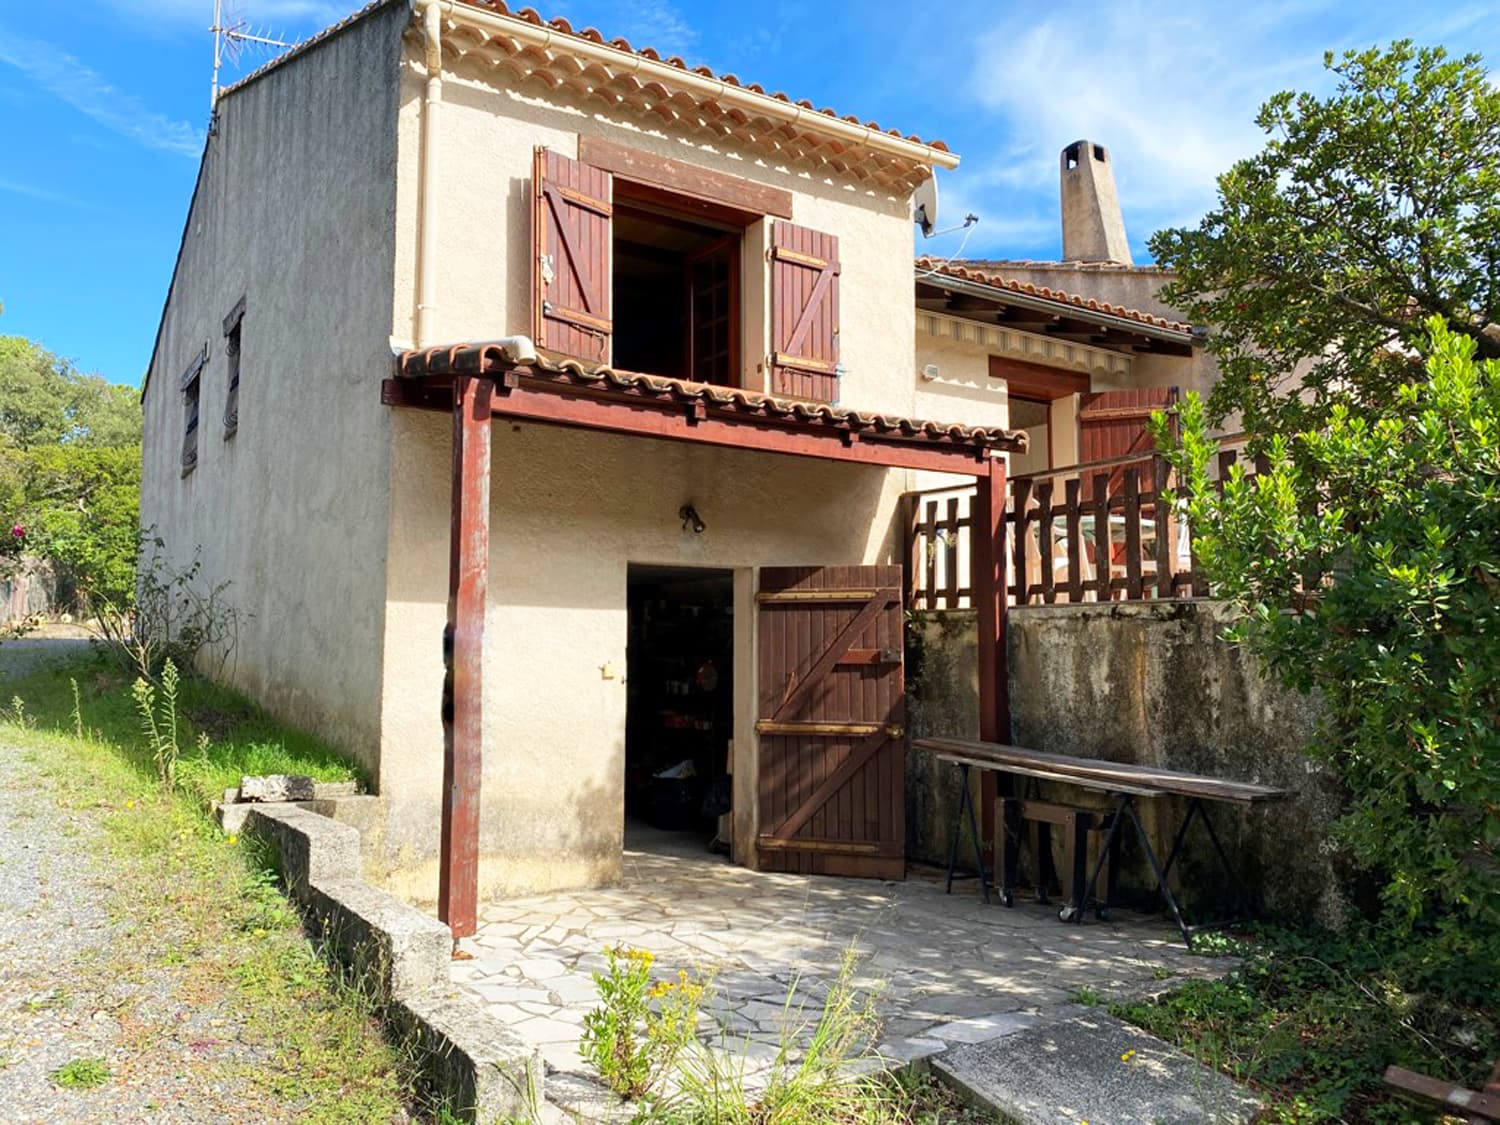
{"points": [[231, 39]]}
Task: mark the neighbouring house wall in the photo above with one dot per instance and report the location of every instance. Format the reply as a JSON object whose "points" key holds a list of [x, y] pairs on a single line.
{"points": [[1152, 683], [294, 212], [571, 509], [29, 592], [963, 389]]}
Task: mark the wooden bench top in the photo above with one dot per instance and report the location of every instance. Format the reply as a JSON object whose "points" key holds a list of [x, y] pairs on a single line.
{"points": [[1096, 773]]}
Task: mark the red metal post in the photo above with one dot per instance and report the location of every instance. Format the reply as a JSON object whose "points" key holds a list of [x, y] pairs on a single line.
{"points": [[987, 544], [463, 648]]}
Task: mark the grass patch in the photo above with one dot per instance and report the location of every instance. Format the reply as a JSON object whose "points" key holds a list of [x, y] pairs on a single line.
{"points": [[1311, 1020], [1087, 997], [253, 1008], [81, 1074], [241, 738]]}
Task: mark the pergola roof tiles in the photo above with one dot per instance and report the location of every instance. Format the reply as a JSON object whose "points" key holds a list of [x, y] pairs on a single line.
{"points": [[563, 374]]}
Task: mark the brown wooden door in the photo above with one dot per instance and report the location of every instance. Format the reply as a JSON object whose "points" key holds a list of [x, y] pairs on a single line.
{"points": [[831, 788], [1113, 424]]}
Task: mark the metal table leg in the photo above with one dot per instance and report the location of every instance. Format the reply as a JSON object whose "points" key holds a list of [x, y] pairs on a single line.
{"points": [[1197, 809], [1126, 808], [966, 808]]}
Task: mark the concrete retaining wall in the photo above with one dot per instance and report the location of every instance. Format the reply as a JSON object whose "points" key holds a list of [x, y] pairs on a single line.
{"points": [[1152, 683], [467, 1061]]}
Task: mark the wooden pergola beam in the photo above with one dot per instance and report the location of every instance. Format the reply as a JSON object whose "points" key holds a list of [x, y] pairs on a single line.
{"points": [[672, 421]]}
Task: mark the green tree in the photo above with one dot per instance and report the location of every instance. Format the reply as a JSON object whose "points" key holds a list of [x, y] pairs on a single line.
{"points": [[1367, 564], [44, 399], [70, 472], [1366, 212], [84, 506]]}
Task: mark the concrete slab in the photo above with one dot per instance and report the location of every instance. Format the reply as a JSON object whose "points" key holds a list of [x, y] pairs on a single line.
{"points": [[1092, 1068]]}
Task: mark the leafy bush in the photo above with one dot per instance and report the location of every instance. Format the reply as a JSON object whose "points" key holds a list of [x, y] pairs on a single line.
{"points": [[173, 616], [1367, 563]]}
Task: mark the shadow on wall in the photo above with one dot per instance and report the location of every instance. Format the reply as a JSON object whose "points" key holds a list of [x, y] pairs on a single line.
{"points": [[1154, 684]]}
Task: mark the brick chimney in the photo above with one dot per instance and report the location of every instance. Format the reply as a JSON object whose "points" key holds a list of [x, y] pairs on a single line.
{"points": [[1093, 228]]}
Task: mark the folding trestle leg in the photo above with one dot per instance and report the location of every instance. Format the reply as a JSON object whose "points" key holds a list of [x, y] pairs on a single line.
{"points": [[1196, 808], [1126, 808], [966, 809]]}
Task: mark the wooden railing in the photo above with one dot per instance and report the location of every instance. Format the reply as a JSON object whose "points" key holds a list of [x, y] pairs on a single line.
{"points": [[1096, 532]]}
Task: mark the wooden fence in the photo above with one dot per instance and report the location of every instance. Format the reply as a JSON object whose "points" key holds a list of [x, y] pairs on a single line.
{"points": [[1095, 532]]}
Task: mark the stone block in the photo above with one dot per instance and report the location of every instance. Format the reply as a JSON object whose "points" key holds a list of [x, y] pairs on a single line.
{"points": [[312, 849], [469, 1061], [393, 949], [1091, 1068], [277, 787]]}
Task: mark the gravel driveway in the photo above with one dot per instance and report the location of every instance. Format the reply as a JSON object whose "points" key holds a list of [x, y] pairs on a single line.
{"points": [[76, 984], [52, 918]]}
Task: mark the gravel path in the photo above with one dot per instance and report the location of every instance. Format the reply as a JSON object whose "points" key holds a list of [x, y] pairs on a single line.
{"points": [[52, 918], [76, 983]]}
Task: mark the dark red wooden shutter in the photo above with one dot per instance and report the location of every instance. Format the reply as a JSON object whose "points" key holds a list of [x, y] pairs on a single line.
{"points": [[571, 208], [831, 786], [804, 313], [1113, 424]]}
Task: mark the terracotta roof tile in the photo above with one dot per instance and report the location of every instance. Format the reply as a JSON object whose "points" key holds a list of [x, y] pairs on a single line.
{"points": [[530, 15], [1073, 300], [482, 358]]}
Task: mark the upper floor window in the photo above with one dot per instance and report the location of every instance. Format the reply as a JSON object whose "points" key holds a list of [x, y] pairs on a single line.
{"points": [[191, 385], [232, 325], [638, 262]]}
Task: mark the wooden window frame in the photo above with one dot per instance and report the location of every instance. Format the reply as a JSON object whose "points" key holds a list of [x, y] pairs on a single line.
{"points": [[698, 186], [233, 341]]}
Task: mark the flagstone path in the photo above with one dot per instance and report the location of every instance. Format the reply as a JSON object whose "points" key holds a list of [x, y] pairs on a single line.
{"points": [[950, 969]]}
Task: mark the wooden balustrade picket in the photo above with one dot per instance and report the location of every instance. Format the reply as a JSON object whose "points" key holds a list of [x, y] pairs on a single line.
{"points": [[1109, 536]]}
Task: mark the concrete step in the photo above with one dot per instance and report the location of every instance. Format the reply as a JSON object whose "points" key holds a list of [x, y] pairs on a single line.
{"points": [[1092, 1068]]}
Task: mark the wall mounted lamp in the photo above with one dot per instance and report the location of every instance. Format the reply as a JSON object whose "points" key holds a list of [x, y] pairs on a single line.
{"points": [[690, 519]]}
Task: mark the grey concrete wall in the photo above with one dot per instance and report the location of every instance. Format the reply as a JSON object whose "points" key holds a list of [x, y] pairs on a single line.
{"points": [[1152, 683], [294, 212]]}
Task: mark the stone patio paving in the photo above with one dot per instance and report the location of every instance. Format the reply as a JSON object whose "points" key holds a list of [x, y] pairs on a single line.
{"points": [[951, 969]]}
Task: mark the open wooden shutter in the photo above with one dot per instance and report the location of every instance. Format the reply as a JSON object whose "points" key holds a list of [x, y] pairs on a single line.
{"points": [[831, 786], [1113, 424], [571, 209], [805, 313]]}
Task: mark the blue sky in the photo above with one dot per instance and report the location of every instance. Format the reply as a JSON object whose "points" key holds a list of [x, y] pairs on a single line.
{"points": [[102, 114]]}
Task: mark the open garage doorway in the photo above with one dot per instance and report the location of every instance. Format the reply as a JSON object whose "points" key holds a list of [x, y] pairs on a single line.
{"points": [[679, 719]]}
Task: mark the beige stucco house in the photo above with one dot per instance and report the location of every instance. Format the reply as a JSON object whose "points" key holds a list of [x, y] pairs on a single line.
{"points": [[429, 175]]}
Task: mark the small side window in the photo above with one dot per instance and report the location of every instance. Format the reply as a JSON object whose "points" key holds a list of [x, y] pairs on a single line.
{"points": [[232, 325], [192, 381]]}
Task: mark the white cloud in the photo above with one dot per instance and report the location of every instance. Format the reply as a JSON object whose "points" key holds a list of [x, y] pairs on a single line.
{"points": [[1171, 92], [30, 191], [68, 79], [1171, 96]]}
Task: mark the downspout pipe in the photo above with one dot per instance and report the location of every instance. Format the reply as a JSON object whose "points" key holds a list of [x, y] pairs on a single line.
{"points": [[431, 13]]}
